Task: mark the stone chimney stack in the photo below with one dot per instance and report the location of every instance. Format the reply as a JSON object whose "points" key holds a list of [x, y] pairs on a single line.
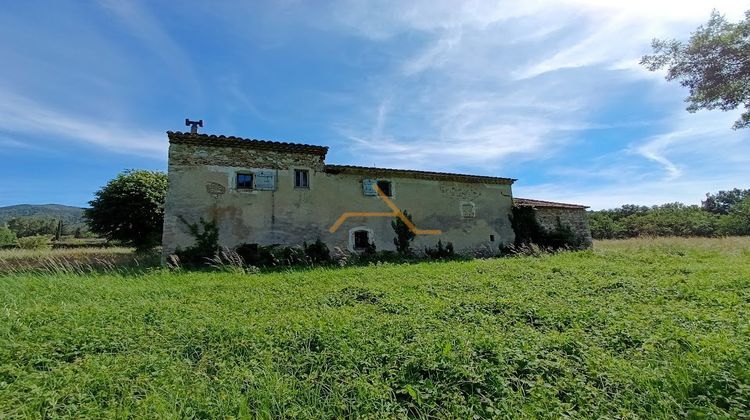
{"points": [[193, 125]]}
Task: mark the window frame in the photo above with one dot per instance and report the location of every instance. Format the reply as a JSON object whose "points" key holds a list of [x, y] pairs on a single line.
{"points": [[307, 178], [243, 188], [390, 186], [350, 235]]}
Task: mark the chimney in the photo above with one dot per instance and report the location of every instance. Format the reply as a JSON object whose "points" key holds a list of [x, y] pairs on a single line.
{"points": [[193, 125]]}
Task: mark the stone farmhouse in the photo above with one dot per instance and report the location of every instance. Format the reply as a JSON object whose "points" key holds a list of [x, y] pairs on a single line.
{"points": [[267, 192]]}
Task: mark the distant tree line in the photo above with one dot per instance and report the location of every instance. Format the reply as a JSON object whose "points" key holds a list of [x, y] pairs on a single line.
{"points": [[31, 226], [720, 214], [35, 226]]}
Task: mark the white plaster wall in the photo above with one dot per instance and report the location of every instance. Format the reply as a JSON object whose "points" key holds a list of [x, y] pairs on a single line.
{"points": [[291, 215]]}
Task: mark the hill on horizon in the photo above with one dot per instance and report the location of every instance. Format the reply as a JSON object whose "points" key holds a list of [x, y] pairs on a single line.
{"points": [[68, 214]]}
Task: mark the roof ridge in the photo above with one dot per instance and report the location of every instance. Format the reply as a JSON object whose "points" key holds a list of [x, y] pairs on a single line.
{"points": [[234, 141], [545, 203], [435, 174]]}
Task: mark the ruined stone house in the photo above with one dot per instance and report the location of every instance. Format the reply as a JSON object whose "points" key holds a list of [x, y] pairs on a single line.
{"points": [[549, 214], [267, 192]]}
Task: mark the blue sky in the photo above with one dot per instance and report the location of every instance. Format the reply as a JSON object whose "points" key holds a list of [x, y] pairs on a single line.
{"points": [[550, 92]]}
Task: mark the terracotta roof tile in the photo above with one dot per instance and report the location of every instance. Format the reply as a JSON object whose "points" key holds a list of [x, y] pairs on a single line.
{"points": [[406, 173], [230, 141], [550, 204]]}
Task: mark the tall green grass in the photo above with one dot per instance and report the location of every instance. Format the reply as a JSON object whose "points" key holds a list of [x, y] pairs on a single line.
{"points": [[75, 260], [630, 329]]}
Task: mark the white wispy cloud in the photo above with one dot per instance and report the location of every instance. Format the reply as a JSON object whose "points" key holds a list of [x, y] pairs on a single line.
{"points": [[498, 83], [695, 154], [21, 115]]}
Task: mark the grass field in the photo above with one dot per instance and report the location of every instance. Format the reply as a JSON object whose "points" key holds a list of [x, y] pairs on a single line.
{"points": [[73, 260], [641, 328]]}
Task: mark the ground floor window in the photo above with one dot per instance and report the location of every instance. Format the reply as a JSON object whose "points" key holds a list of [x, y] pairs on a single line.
{"points": [[361, 239]]}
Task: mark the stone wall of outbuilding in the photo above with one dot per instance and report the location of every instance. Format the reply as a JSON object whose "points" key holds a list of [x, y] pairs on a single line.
{"points": [[577, 219]]}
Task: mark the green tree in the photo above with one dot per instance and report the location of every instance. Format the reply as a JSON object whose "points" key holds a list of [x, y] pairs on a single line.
{"points": [[404, 235], [32, 226], [671, 219], [130, 208], [714, 64], [603, 226], [723, 201], [59, 230], [7, 236], [737, 222]]}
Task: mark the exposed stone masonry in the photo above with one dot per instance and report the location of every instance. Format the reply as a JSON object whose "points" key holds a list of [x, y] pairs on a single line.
{"points": [[577, 219], [188, 155]]}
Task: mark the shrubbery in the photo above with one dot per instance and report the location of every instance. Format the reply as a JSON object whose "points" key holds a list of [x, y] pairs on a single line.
{"points": [[205, 252], [34, 242], [441, 252], [33, 226], [206, 235], [318, 252], [7, 236], [719, 215]]}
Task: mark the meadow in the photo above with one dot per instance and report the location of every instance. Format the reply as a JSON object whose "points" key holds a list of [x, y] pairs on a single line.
{"points": [[74, 260], [634, 328]]}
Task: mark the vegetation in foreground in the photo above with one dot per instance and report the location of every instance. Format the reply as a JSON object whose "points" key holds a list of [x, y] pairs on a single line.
{"points": [[632, 328], [75, 260]]}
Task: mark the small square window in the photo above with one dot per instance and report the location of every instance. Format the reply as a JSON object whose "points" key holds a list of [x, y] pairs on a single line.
{"points": [[385, 187], [301, 178], [361, 239], [244, 181]]}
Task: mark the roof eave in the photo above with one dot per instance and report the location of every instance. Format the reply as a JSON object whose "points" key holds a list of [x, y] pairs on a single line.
{"points": [[408, 173], [210, 140]]}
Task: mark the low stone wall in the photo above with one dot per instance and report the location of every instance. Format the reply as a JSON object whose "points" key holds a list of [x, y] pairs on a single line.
{"points": [[577, 219]]}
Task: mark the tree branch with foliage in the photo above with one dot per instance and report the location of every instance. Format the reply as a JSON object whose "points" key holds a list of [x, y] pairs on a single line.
{"points": [[714, 64], [723, 201]]}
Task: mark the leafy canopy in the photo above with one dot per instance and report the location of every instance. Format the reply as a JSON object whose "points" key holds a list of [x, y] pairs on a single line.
{"points": [[7, 236], [130, 208], [737, 222], [722, 213], [714, 64], [723, 201], [32, 226]]}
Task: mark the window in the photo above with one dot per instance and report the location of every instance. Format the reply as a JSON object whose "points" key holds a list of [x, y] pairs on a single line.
{"points": [[244, 181], [385, 187], [301, 178], [468, 210], [361, 239], [492, 238]]}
